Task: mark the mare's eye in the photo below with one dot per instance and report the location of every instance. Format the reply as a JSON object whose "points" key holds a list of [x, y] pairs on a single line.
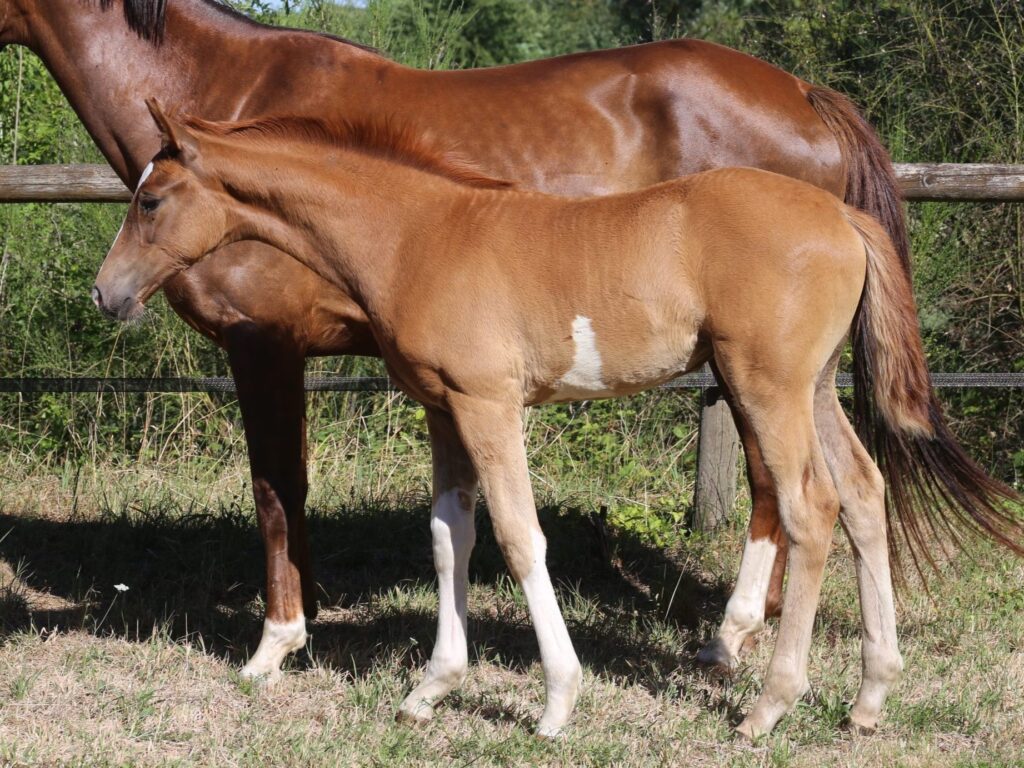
{"points": [[149, 204]]}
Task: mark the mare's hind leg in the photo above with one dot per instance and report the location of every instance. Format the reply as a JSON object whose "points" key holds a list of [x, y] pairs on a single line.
{"points": [[862, 515], [779, 409], [452, 528], [492, 432], [758, 591]]}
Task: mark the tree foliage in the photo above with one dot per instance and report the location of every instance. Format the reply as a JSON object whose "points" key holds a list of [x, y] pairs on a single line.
{"points": [[942, 80]]}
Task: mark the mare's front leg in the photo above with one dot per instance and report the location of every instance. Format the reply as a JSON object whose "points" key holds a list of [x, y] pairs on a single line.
{"points": [[453, 531], [758, 591], [492, 432], [269, 377]]}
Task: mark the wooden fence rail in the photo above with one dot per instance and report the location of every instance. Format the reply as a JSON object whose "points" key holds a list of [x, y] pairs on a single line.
{"points": [[718, 443], [977, 182]]}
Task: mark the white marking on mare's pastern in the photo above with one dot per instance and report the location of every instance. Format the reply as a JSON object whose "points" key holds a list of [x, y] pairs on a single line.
{"points": [[585, 374], [279, 639]]}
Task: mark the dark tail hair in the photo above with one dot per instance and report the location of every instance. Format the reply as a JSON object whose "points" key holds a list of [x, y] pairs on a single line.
{"points": [[934, 489], [870, 179]]}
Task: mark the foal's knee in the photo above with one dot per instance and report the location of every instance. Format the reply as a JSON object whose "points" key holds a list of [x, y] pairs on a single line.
{"points": [[452, 529]]}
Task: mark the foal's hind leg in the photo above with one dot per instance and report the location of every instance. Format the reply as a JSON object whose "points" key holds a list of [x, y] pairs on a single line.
{"points": [[452, 528], [782, 420], [758, 590], [492, 432], [862, 514]]}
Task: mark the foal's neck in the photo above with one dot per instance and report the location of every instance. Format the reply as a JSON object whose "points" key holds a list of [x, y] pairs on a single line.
{"points": [[350, 217]]}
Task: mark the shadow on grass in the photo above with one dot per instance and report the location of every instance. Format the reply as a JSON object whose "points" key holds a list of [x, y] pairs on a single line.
{"points": [[201, 575]]}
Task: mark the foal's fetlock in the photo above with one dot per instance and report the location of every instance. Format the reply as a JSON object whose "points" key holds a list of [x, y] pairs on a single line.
{"points": [[439, 680], [562, 691], [775, 701], [883, 668]]}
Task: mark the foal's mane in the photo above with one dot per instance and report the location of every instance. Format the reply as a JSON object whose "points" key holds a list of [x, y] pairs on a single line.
{"points": [[384, 139], [146, 18]]}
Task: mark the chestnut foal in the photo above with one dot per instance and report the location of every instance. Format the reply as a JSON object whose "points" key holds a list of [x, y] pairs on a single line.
{"points": [[485, 299]]}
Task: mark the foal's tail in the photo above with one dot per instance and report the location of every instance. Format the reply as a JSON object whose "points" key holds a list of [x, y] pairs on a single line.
{"points": [[934, 488]]}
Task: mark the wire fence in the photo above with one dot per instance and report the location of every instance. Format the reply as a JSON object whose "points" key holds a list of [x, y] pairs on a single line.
{"points": [[320, 383], [716, 481]]}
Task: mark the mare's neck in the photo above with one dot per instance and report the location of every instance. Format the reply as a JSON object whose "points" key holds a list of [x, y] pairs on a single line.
{"points": [[209, 63], [351, 218]]}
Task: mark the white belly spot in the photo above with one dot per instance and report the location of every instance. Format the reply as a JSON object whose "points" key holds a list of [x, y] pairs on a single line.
{"points": [[585, 374]]}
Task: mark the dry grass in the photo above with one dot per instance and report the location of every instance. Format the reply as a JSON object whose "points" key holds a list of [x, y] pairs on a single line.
{"points": [[91, 676]]}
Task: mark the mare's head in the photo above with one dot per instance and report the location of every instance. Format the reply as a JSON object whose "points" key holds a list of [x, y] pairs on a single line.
{"points": [[177, 215]]}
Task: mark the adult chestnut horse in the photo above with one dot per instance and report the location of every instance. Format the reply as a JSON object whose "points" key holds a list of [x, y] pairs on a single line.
{"points": [[592, 123], [485, 299]]}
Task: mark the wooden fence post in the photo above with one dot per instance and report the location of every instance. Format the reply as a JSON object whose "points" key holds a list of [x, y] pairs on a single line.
{"points": [[718, 447]]}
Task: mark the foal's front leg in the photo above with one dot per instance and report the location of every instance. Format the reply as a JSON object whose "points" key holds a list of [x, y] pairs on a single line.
{"points": [[452, 528], [492, 432]]}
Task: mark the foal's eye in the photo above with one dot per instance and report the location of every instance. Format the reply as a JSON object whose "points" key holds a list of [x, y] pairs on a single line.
{"points": [[149, 204]]}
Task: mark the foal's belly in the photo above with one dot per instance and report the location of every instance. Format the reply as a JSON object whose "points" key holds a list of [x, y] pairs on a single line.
{"points": [[613, 359]]}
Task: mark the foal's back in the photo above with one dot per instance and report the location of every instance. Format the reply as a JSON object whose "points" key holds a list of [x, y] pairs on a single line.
{"points": [[644, 282]]}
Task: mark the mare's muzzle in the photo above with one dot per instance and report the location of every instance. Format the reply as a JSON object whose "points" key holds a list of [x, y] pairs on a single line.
{"points": [[126, 308]]}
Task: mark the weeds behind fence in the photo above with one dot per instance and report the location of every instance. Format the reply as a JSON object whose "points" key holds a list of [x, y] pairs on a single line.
{"points": [[942, 81]]}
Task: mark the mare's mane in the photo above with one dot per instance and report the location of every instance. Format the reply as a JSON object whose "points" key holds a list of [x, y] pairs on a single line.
{"points": [[378, 138], [146, 18]]}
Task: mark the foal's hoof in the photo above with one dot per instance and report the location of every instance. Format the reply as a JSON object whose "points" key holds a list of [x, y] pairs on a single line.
{"points": [[415, 713], [716, 659], [550, 732], [748, 733], [744, 735], [262, 677], [860, 728]]}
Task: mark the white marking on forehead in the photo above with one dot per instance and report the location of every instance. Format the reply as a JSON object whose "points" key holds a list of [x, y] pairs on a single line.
{"points": [[144, 176], [116, 238], [585, 373]]}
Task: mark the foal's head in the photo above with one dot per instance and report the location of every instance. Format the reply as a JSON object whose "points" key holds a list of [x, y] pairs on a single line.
{"points": [[177, 216], [182, 209]]}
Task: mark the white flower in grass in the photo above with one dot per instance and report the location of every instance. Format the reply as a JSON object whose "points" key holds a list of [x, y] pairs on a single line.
{"points": [[121, 587]]}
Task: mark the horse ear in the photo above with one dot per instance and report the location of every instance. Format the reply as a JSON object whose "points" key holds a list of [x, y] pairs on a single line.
{"points": [[175, 138]]}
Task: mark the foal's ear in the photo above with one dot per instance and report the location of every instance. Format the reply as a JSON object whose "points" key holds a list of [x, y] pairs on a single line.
{"points": [[175, 138]]}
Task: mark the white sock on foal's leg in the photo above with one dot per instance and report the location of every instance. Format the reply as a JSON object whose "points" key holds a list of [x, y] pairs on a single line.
{"points": [[452, 528], [278, 640], [744, 613], [562, 674]]}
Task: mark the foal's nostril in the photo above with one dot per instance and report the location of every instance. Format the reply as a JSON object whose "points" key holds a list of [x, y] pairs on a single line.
{"points": [[97, 297]]}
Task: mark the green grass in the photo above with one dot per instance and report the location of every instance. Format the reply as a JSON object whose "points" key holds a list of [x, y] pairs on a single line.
{"points": [[93, 676]]}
